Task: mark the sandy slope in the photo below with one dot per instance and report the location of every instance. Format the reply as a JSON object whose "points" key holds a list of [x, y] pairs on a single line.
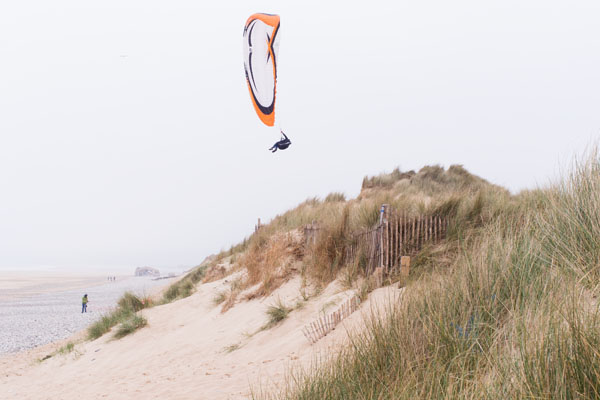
{"points": [[184, 353]]}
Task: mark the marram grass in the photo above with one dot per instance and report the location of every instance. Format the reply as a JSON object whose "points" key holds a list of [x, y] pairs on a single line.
{"points": [[277, 313], [513, 313], [130, 325], [124, 313]]}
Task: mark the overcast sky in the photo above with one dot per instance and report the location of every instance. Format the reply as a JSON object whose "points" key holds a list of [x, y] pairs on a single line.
{"points": [[127, 135]]}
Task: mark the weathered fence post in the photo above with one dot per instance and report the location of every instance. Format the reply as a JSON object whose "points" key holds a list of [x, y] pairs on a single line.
{"points": [[383, 237], [257, 226], [404, 269], [396, 241], [413, 233]]}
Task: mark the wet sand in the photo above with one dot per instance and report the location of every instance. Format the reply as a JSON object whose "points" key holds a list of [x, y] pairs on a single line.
{"points": [[15, 285]]}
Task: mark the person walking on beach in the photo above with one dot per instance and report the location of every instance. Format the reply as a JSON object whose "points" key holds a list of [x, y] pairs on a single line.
{"points": [[84, 302]]}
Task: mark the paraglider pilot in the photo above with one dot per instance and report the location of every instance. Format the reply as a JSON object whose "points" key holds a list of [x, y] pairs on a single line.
{"points": [[282, 144]]}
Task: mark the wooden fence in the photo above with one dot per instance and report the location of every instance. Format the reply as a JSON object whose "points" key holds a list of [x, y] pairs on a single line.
{"points": [[380, 251], [326, 323], [311, 233], [396, 235], [401, 235]]}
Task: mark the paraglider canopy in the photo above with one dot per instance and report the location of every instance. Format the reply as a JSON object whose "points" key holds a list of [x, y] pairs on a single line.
{"points": [[261, 45]]}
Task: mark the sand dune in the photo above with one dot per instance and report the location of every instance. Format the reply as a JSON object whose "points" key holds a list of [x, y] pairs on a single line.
{"points": [[189, 350]]}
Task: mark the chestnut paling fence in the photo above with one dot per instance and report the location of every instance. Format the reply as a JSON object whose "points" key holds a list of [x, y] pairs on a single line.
{"points": [[326, 323], [381, 250], [397, 234]]}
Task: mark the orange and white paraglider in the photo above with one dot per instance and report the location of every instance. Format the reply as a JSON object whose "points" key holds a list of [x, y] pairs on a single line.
{"points": [[261, 45]]}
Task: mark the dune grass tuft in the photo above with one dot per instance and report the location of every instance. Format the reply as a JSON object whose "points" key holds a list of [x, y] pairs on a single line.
{"points": [[186, 285], [277, 313], [126, 309], [335, 197], [130, 325], [67, 348]]}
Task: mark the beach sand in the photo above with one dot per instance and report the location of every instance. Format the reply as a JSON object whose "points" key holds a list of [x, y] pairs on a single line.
{"points": [[36, 309], [23, 284], [189, 350]]}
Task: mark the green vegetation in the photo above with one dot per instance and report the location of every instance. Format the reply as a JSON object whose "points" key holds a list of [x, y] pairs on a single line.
{"points": [[67, 348], [185, 286], [277, 313], [130, 325], [124, 314], [505, 308], [232, 347], [131, 302], [103, 325]]}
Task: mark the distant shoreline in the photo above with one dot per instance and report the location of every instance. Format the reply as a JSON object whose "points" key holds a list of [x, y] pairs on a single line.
{"points": [[18, 285]]}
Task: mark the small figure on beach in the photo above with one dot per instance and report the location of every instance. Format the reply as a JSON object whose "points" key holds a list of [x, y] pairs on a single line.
{"points": [[84, 302]]}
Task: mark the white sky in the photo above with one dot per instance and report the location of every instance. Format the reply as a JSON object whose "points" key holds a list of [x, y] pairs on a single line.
{"points": [[127, 136]]}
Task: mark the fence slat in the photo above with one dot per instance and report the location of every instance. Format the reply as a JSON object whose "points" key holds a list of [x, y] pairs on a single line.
{"points": [[419, 220], [395, 240]]}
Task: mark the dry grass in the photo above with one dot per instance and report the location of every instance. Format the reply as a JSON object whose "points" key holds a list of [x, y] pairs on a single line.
{"points": [[269, 261], [230, 299], [214, 273], [506, 308], [326, 258], [335, 197], [386, 180], [269, 255]]}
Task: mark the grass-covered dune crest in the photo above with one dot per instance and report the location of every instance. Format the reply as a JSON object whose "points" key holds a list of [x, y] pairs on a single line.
{"points": [[508, 309]]}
